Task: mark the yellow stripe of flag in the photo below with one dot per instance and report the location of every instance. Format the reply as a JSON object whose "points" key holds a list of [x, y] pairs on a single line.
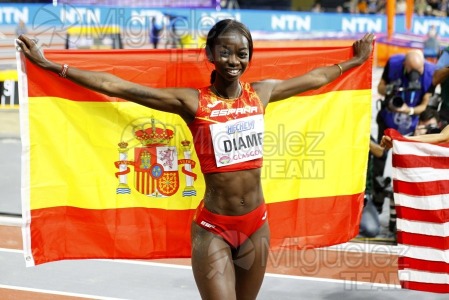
{"points": [[75, 145]]}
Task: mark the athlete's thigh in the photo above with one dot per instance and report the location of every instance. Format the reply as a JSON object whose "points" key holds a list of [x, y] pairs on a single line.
{"points": [[212, 265], [250, 262]]}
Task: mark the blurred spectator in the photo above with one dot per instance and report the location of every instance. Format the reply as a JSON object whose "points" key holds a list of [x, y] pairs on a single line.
{"points": [[431, 47], [316, 8], [401, 7], [420, 7], [362, 7], [335, 6], [372, 6], [155, 31], [21, 28], [434, 4], [436, 8], [444, 7], [352, 6], [366, 6], [381, 6]]}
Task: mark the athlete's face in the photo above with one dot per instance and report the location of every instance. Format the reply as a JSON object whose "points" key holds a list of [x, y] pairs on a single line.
{"points": [[230, 55]]}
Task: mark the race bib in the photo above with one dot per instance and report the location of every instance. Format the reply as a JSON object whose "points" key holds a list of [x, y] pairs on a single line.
{"points": [[238, 140]]}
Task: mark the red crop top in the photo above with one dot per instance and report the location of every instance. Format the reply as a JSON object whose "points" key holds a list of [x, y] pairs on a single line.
{"points": [[228, 133]]}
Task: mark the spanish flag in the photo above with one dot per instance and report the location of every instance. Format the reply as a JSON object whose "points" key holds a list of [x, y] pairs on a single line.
{"points": [[106, 178]]}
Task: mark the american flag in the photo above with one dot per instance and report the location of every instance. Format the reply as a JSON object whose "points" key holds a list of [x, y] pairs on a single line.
{"points": [[421, 195]]}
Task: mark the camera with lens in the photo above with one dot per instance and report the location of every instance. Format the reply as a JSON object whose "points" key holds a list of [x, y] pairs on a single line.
{"points": [[432, 128], [393, 98]]}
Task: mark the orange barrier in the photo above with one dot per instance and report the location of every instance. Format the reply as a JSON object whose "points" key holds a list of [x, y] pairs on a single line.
{"points": [[384, 51]]}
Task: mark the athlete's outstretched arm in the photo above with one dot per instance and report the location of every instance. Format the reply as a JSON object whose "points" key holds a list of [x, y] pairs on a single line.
{"points": [[181, 101], [316, 78]]}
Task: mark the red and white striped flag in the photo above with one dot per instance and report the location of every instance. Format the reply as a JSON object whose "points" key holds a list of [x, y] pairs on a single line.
{"points": [[421, 195]]}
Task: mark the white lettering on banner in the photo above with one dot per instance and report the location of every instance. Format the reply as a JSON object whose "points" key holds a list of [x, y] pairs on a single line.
{"points": [[146, 13], [9, 91], [238, 140], [142, 16], [12, 15], [236, 111], [80, 15], [424, 26], [291, 22], [357, 25]]}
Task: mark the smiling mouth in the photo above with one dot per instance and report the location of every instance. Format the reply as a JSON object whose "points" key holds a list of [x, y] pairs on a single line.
{"points": [[233, 72]]}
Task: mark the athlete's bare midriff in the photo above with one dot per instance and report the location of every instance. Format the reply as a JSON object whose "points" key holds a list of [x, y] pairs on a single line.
{"points": [[233, 193]]}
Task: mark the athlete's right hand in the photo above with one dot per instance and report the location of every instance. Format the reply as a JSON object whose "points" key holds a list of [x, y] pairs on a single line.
{"points": [[31, 51]]}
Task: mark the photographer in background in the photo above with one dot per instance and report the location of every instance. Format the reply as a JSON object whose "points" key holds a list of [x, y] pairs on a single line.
{"points": [[429, 122], [406, 85]]}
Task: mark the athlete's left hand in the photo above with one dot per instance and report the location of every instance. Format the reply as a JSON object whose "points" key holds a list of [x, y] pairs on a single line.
{"points": [[364, 47]]}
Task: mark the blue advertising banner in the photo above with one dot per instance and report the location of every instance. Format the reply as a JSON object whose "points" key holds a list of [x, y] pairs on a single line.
{"points": [[61, 17]]}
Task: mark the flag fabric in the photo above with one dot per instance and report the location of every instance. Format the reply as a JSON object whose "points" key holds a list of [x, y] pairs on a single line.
{"points": [[421, 196], [107, 178]]}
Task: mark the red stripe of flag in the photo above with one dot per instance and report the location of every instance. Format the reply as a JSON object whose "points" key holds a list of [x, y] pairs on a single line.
{"points": [[288, 232], [160, 233], [177, 66], [137, 179], [413, 214], [429, 188], [422, 265], [426, 287], [416, 161], [96, 233], [422, 240]]}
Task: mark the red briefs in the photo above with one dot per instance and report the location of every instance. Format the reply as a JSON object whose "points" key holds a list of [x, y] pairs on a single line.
{"points": [[235, 230]]}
